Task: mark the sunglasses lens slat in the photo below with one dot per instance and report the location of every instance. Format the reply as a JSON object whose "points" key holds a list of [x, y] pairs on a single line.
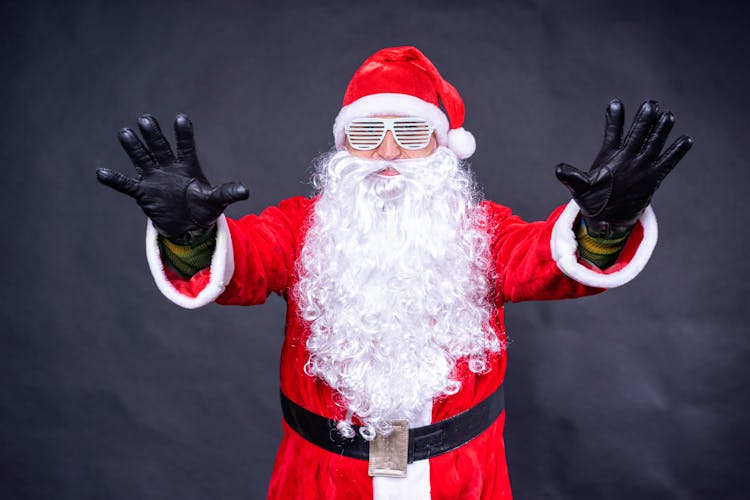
{"points": [[365, 134], [412, 133]]}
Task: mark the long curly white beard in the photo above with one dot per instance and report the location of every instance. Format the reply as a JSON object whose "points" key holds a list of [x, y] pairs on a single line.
{"points": [[394, 282]]}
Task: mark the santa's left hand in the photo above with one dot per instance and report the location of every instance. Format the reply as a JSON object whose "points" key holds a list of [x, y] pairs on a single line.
{"points": [[626, 173]]}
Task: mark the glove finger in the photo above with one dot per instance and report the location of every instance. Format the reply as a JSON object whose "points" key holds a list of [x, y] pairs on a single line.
{"points": [[228, 193], [659, 135], [642, 124], [183, 131], [118, 181], [157, 143], [139, 155], [673, 155], [575, 180], [614, 118]]}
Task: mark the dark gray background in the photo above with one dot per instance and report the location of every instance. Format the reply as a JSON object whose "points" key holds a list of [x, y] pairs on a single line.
{"points": [[110, 391]]}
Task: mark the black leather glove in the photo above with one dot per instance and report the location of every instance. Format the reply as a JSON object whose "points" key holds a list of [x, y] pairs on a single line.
{"points": [[171, 190], [626, 173]]}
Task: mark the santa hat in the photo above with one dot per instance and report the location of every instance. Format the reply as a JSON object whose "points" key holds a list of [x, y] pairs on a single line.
{"points": [[402, 81]]}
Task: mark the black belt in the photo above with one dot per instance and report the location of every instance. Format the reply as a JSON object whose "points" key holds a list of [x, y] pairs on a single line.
{"points": [[424, 442]]}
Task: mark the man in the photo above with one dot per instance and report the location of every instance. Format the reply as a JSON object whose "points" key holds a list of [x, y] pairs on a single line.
{"points": [[395, 276]]}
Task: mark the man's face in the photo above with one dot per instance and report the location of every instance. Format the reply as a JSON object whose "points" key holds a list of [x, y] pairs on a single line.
{"points": [[389, 150]]}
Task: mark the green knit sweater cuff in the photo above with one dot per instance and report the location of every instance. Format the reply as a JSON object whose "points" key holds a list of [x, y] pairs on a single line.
{"points": [[187, 260], [601, 252]]}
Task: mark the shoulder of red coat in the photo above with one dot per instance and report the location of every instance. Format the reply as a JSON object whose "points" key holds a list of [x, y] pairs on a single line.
{"points": [[495, 210]]}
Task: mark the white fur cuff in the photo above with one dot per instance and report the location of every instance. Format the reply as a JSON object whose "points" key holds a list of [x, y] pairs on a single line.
{"points": [[564, 250], [222, 268]]}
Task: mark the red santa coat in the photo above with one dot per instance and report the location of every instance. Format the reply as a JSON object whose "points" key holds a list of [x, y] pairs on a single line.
{"points": [[256, 256]]}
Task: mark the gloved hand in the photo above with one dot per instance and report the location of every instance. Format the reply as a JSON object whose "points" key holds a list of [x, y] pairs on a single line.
{"points": [[171, 190], [626, 173]]}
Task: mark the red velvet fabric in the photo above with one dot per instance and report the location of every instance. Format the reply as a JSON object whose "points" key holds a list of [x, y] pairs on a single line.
{"points": [[405, 70], [265, 250], [397, 70], [190, 288]]}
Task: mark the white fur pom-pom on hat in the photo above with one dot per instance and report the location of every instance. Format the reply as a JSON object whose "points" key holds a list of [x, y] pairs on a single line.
{"points": [[461, 142], [402, 81]]}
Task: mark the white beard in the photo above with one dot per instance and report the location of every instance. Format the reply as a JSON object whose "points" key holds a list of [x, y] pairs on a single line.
{"points": [[394, 282]]}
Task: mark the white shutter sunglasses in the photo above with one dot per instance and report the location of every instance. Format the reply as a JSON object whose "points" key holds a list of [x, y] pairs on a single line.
{"points": [[366, 134]]}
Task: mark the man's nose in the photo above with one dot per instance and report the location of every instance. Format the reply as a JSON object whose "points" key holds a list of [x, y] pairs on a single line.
{"points": [[388, 149]]}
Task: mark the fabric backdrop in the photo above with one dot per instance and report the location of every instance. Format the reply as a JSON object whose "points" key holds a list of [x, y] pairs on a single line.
{"points": [[109, 391]]}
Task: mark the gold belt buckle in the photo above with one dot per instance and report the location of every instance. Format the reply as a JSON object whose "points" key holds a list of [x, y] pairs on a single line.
{"points": [[389, 454]]}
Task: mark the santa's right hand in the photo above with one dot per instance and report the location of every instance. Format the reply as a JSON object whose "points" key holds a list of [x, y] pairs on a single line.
{"points": [[171, 189]]}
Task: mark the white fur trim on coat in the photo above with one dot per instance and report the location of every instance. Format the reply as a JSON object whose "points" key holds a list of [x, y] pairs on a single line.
{"points": [[564, 250], [222, 267], [390, 104], [416, 484]]}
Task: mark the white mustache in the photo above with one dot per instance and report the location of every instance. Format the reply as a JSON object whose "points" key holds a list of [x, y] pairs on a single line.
{"points": [[343, 164]]}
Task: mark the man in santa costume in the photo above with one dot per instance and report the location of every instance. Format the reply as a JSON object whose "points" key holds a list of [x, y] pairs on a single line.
{"points": [[395, 274]]}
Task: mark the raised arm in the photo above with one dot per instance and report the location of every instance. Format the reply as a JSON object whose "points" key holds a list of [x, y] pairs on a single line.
{"points": [[186, 225], [606, 235]]}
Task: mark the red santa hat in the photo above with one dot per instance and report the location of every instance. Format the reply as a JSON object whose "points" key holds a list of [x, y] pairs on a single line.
{"points": [[402, 81]]}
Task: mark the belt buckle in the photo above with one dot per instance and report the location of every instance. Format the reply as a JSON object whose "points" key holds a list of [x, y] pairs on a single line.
{"points": [[389, 454]]}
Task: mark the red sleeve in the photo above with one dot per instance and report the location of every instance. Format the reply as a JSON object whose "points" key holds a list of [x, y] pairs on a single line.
{"points": [[265, 249], [524, 267]]}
